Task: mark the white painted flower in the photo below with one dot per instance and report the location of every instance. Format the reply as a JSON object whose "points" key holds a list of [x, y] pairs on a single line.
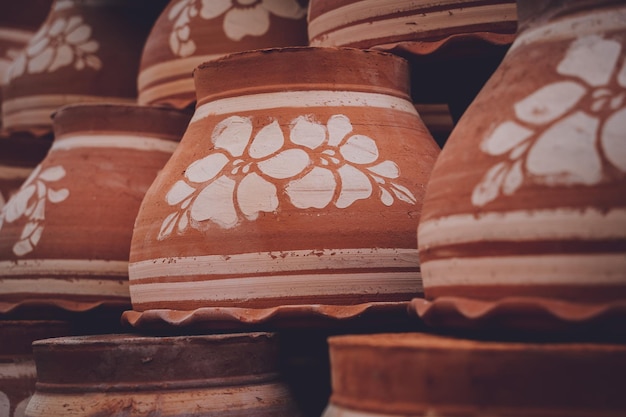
{"points": [[241, 18], [30, 201], [243, 174], [559, 128], [56, 45]]}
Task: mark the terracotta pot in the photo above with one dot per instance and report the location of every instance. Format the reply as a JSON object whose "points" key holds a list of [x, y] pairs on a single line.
{"points": [[17, 364], [190, 32], [419, 375], [219, 375], [85, 51], [65, 236], [528, 198], [289, 187]]}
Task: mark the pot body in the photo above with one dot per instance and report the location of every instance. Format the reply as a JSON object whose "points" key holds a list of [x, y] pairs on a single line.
{"points": [[528, 197], [289, 187]]}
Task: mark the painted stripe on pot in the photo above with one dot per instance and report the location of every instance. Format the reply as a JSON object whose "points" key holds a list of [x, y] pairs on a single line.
{"points": [[60, 267], [178, 67], [114, 141], [167, 90], [418, 23], [264, 262], [55, 101], [70, 285], [14, 173], [525, 225], [576, 269], [333, 410], [18, 370], [311, 284], [315, 98], [15, 35]]}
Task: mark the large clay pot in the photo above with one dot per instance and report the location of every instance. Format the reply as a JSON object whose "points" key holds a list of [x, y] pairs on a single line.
{"points": [[65, 236], [85, 51], [289, 187], [419, 375], [232, 375], [190, 32], [528, 198]]}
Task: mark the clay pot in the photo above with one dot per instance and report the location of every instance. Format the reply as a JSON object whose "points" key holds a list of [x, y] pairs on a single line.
{"points": [[65, 235], [189, 33], [85, 51], [528, 198], [416, 375], [288, 188], [219, 375]]}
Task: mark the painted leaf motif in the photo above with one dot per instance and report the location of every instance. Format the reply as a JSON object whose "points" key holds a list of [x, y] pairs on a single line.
{"points": [[41, 61], [22, 247], [215, 202], [550, 102], [64, 56], [232, 134], [355, 185], [505, 136], [37, 46], [174, 42], [187, 48], [269, 140], [403, 193], [592, 59], [93, 62], [58, 26], [304, 132], [387, 169], [36, 235], [613, 139], [314, 190], [289, 9], [53, 173], [79, 34], [207, 168], [179, 191], [253, 21], [359, 149], [28, 229], [89, 47], [17, 204], [254, 195], [168, 225], [40, 210], [385, 197], [489, 188], [56, 196], [286, 164], [513, 179], [184, 221], [179, 7], [338, 128], [213, 8]]}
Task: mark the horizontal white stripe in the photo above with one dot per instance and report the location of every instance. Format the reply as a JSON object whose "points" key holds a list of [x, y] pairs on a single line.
{"points": [[177, 67], [54, 101], [315, 98], [571, 27], [114, 141], [333, 410], [160, 92], [264, 262], [317, 284], [417, 23], [524, 225], [31, 118], [578, 269], [18, 370], [56, 267], [14, 173], [72, 286], [15, 35]]}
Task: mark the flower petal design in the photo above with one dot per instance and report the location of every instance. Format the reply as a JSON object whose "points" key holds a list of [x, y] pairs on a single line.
{"points": [[232, 134], [289, 9], [506, 136], [613, 139], [403, 193], [307, 133], [214, 8], [187, 48], [37, 46], [207, 168], [338, 128], [254, 195], [36, 235], [22, 247], [513, 179], [385, 197], [387, 169], [79, 34], [355, 185], [57, 27], [63, 57], [592, 59], [40, 62], [549, 102], [40, 210], [93, 62], [269, 140], [286, 164], [254, 21], [17, 204], [184, 221], [179, 191], [180, 6], [314, 190], [565, 154], [215, 202], [90, 47], [359, 149], [489, 188], [54, 173], [168, 225]]}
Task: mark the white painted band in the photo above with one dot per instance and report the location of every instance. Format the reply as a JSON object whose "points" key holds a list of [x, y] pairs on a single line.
{"points": [[333, 410], [182, 67], [18, 370], [142, 143], [265, 262], [310, 98], [60, 267], [306, 285], [406, 25], [574, 269], [163, 91], [14, 173], [523, 225], [72, 286], [15, 35]]}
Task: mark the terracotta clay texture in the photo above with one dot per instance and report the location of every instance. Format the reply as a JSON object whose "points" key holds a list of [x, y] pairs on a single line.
{"points": [[419, 375], [231, 375], [189, 33], [289, 187], [528, 198], [65, 235], [85, 51]]}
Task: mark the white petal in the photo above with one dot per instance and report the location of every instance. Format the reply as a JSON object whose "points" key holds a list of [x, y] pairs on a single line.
{"points": [[621, 75], [338, 127], [177, 8], [360, 149], [90, 47], [16, 206], [5, 404], [232, 134], [213, 8], [57, 27], [28, 229], [22, 247], [613, 139], [73, 23], [550, 102], [254, 195], [387, 169], [505, 137], [307, 133], [36, 47], [179, 191], [40, 62], [290, 9], [64, 56], [403, 193], [269, 140], [174, 43], [36, 235], [315, 189], [207, 168], [254, 21], [565, 154], [40, 210], [489, 187], [513, 179], [183, 33], [591, 58], [167, 226], [215, 202], [355, 185], [93, 61], [183, 222], [187, 48], [79, 35], [286, 164], [54, 173], [386, 197]]}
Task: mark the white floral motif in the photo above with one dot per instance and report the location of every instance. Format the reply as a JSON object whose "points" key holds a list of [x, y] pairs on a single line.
{"points": [[319, 165], [30, 201], [56, 45], [242, 17], [553, 140]]}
